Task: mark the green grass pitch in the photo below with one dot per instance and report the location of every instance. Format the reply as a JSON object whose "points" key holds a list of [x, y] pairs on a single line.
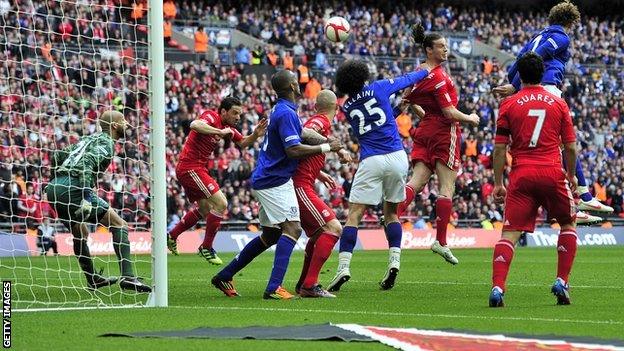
{"points": [[429, 294]]}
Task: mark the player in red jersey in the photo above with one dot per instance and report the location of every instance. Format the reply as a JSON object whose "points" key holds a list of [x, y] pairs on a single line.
{"points": [[537, 122], [192, 172], [318, 220], [437, 139]]}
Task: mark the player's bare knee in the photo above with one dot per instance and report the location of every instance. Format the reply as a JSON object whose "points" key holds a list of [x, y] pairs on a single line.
{"points": [[204, 207], [292, 229], [270, 235], [333, 227]]}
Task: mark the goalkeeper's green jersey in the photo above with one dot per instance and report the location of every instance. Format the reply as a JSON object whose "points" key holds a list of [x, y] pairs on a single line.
{"points": [[86, 159]]}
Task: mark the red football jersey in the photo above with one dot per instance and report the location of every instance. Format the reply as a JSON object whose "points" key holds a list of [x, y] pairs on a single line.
{"points": [[198, 147], [537, 123], [434, 93], [309, 168]]}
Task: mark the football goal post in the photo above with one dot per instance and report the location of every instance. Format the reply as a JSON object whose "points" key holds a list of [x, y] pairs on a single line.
{"points": [[64, 64]]}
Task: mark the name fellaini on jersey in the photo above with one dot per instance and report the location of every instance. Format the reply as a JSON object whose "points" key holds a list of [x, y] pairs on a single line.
{"points": [[369, 93]]}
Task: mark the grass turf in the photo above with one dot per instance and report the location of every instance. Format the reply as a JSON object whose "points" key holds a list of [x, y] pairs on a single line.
{"points": [[429, 294]]}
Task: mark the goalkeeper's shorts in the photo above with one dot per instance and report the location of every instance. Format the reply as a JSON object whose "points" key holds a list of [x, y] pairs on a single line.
{"points": [[75, 202]]}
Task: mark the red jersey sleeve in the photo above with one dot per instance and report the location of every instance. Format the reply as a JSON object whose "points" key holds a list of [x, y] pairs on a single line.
{"points": [[236, 135], [209, 118], [319, 124], [567, 129], [503, 131], [441, 94]]}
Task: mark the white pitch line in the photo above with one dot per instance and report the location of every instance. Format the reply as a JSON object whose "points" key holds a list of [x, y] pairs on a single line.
{"points": [[421, 283], [402, 314]]}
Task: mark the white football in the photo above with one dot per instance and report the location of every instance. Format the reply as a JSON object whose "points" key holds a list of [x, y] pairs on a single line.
{"points": [[337, 29]]}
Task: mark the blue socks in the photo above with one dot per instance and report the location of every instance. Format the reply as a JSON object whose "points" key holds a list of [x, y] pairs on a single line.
{"points": [[394, 234], [249, 252], [283, 250], [348, 239], [586, 196]]}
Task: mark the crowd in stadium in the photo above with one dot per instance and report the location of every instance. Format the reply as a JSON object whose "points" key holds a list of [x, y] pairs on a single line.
{"points": [[383, 29], [46, 104]]}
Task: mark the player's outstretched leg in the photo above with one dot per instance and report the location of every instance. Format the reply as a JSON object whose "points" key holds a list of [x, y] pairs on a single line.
{"points": [[444, 207], [348, 240], [213, 209], [566, 252], [394, 233], [252, 250], [501, 261], [325, 242], [81, 250], [587, 201], [188, 221], [309, 251], [283, 251], [121, 244]]}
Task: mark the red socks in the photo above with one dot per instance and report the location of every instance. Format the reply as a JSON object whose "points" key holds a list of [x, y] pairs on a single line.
{"points": [[566, 251], [309, 252], [322, 250], [444, 207], [188, 221], [409, 197], [501, 260], [213, 222]]}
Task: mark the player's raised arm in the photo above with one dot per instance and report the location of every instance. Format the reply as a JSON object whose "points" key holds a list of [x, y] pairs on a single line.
{"points": [[201, 126], [392, 85], [257, 133]]}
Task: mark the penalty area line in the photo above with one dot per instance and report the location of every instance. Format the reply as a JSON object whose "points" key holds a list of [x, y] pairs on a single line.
{"points": [[399, 314]]}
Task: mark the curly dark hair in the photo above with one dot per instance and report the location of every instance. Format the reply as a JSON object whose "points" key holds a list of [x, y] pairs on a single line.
{"points": [[351, 76], [419, 36], [565, 14]]}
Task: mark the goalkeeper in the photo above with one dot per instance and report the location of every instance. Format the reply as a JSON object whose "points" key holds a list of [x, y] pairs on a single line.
{"points": [[72, 194]]}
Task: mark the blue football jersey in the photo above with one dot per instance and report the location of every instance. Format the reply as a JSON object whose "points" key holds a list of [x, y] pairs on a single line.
{"points": [[274, 168], [371, 116], [552, 44]]}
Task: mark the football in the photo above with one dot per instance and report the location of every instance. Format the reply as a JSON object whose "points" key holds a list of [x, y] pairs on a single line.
{"points": [[337, 29]]}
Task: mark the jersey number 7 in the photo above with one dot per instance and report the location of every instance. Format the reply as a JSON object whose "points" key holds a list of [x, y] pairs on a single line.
{"points": [[365, 128], [541, 115]]}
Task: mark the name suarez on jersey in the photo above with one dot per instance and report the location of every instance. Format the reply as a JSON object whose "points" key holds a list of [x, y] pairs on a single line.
{"points": [[535, 97]]}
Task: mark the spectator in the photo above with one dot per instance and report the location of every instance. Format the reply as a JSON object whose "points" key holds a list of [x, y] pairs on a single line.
{"points": [[257, 56], [304, 76], [242, 55], [46, 237], [201, 41], [167, 30], [312, 89], [169, 9]]}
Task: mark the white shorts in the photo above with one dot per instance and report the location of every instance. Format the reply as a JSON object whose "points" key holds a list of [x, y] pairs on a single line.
{"points": [[553, 90], [278, 205], [380, 176]]}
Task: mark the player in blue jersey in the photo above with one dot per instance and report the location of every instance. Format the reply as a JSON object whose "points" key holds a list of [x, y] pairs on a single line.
{"points": [[383, 165], [553, 44], [273, 187]]}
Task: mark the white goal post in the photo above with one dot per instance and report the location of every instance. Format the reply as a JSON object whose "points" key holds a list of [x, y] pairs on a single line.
{"points": [[62, 64]]}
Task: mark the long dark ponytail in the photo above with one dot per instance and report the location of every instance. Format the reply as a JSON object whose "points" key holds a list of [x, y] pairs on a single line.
{"points": [[426, 40]]}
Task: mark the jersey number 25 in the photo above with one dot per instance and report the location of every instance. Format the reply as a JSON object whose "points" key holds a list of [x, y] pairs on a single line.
{"points": [[371, 111]]}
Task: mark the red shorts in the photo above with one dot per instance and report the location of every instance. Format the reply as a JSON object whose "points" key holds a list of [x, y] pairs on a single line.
{"points": [[197, 183], [529, 188], [433, 143], [313, 211]]}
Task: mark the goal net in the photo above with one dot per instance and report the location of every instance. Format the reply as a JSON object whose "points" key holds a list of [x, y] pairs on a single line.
{"points": [[62, 65]]}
